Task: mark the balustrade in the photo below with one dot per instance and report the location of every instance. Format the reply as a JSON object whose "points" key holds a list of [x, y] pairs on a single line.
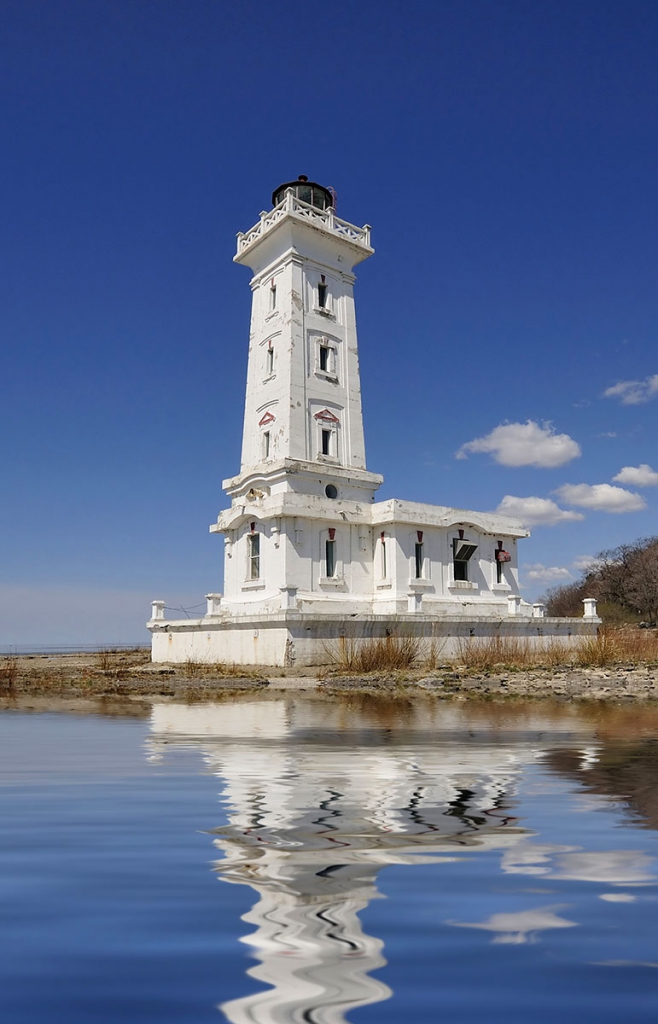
{"points": [[290, 204]]}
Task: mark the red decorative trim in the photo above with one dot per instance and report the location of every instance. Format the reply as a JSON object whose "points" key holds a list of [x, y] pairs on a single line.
{"points": [[267, 418], [326, 416], [332, 533], [461, 534], [383, 536], [252, 527], [419, 534]]}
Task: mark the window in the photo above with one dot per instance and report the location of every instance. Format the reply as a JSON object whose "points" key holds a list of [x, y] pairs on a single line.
{"points": [[253, 549], [272, 296], [269, 362], [460, 570], [326, 442], [501, 557], [463, 552], [322, 292], [326, 358], [384, 565], [266, 444], [331, 491], [418, 556], [330, 558]]}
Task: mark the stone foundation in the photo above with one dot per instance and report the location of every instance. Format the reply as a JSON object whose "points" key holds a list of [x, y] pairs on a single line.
{"points": [[291, 638]]}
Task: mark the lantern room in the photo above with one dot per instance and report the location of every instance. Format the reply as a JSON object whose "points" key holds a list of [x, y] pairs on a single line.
{"points": [[306, 191]]}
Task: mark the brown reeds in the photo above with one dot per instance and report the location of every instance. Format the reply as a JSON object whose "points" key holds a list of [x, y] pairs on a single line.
{"points": [[8, 672], [107, 659], [378, 654], [195, 669], [481, 654], [609, 646], [619, 647]]}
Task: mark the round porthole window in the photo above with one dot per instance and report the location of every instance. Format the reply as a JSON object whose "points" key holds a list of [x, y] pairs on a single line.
{"points": [[331, 491]]}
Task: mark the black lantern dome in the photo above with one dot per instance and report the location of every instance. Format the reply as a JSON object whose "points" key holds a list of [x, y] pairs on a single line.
{"points": [[307, 191]]}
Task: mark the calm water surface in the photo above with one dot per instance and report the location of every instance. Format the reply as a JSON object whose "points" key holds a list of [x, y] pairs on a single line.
{"points": [[273, 860]]}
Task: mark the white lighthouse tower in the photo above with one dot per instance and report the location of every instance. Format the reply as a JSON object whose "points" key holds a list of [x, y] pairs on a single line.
{"points": [[310, 557], [296, 522]]}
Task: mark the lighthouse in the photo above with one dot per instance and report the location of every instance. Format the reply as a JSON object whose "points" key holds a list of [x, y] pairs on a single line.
{"points": [[310, 557]]}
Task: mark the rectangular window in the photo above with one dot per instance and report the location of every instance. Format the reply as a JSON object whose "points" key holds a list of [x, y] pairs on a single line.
{"points": [[330, 558], [460, 570], [326, 442], [384, 565], [272, 297], [463, 551], [322, 295], [418, 555], [253, 547], [324, 358], [266, 444], [270, 361], [500, 578]]}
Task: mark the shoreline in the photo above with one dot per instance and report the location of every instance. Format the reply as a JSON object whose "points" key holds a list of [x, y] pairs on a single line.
{"points": [[128, 679]]}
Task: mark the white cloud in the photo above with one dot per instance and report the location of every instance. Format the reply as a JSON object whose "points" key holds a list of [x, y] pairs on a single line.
{"points": [[637, 476], [601, 497], [534, 511], [583, 563], [634, 392], [546, 573], [524, 444]]}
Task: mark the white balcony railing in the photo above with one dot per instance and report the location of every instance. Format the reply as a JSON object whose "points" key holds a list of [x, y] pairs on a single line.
{"points": [[326, 219]]}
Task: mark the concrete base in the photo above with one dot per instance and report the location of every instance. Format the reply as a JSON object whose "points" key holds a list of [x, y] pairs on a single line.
{"points": [[291, 638]]}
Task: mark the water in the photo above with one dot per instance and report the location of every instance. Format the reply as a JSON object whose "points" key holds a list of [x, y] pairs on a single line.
{"points": [[274, 860]]}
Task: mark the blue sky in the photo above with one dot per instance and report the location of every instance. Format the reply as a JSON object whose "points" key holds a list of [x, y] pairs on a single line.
{"points": [[505, 154]]}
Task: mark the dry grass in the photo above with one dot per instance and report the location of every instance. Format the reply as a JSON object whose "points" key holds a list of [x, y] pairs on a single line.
{"points": [[8, 672], [514, 653], [483, 654], [193, 669], [611, 646], [618, 647], [108, 659], [433, 658], [385, 654]]}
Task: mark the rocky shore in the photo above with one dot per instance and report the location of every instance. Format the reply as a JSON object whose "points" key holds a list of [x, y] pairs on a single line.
{"points": [[129, 676], [625, 683]]}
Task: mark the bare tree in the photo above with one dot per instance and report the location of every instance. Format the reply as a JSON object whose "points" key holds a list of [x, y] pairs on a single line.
{"points": [[628, 576], [566, 599]]}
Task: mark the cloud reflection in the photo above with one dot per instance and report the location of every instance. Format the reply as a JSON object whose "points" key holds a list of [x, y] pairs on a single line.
{"points": [[519, 927], [616, 867]]}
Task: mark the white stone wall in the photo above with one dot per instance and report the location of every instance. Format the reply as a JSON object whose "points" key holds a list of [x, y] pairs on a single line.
{"points": [[305, 639]]}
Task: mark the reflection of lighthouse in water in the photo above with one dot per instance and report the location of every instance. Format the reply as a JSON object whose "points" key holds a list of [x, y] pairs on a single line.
{"points": [[312, 820]]}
